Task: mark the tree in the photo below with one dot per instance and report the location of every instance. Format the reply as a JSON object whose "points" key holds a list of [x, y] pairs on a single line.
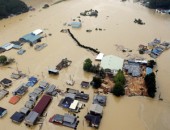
{"points": [[118, 89], [87, 65], [151, 63], [165, 4], [3, 59], [120, 77], [96, 82], [8, 7], [150, 84]]}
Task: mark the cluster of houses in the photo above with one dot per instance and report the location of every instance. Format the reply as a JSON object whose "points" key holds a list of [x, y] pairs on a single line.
{"points": [[154, 48], [31, 112], [95, 113], [31, 38]]}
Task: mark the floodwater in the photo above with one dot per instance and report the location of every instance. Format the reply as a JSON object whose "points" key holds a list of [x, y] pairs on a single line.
{"points": [[126, 113]]}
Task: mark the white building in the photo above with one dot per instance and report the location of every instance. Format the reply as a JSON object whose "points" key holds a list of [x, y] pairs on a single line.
{"points": [[112, 63]]}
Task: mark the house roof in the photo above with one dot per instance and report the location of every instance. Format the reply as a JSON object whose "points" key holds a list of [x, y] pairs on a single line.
{"points": [[24, 110], [31, 37], [70, 95], [74, 104], [18, 117], [69, 118], [7, 46], [14, 99], [96, 108], [112, 62], [58, 118], [2, 110], [100, 99], [6, 81]]}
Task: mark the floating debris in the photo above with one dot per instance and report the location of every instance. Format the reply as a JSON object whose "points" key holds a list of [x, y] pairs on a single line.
{"points": [[89, 13], [139, 21]]}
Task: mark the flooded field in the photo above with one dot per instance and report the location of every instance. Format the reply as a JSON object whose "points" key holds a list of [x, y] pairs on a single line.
{"points": [[116, 19]]}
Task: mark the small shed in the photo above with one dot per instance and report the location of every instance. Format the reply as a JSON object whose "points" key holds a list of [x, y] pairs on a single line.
{"points": [[17, 117], [75, 24], [3, 112], [85, 84]]}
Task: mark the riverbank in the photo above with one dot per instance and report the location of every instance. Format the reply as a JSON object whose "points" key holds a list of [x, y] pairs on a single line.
{"points": [[127, 113]]}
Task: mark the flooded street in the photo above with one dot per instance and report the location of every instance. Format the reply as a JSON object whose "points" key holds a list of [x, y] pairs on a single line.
{"points": [[126, 113]]}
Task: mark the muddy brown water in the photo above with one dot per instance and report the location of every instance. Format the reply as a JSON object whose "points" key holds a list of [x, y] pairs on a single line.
{"points": [[126, 113]]}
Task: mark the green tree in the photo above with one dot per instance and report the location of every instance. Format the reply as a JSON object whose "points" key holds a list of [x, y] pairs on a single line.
{"points": [[8, 7], [165, 4], [119, 77], [118, 89], [87, 65], [3, 59], [96, 82], [150, 84], [151, 63]]}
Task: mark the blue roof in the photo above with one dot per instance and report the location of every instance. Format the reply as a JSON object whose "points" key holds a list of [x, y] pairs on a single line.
{"points": [[157, 51], [31, 37], [148, 70], [32, 81], [18, 117]]}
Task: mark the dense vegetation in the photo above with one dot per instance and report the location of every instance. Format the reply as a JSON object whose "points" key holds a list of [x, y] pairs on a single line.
{"points": [[119, 79], [151, 64], [89, 67], [96, 82], [8, 7], [3, 59], [151, 84], [165, 4]]}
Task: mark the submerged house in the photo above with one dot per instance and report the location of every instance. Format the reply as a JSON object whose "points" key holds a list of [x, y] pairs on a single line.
{"points": [[6, 82], [31, 38], [100, 99], [17, 117]]}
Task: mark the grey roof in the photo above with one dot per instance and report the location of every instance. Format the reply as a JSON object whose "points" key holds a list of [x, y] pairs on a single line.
{"points": [[100, 99], [69, 118], [96, 108], [29, 104], [51, 88], [24, 110], [3, 92], [71, 95], [31, 118], [38, 91], [31, 38], [133, 69]]}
